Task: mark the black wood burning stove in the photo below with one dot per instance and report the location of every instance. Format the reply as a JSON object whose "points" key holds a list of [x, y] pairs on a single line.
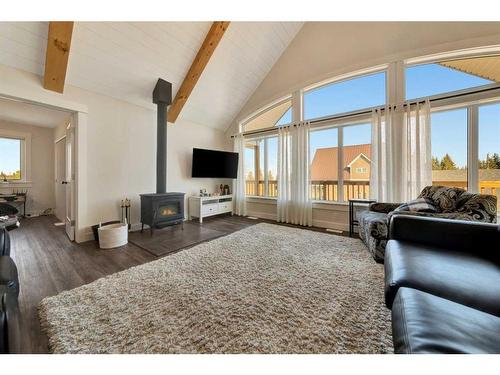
{"points": [[161, 209]]}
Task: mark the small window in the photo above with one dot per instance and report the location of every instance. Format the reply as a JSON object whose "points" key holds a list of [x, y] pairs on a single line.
{"points": [[345, 96], [434, 79], [280, 114], [10, 159], [361, 170]]}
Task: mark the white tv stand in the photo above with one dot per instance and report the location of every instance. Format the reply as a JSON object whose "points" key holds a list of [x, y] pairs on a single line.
{"points": [[201, 207]]}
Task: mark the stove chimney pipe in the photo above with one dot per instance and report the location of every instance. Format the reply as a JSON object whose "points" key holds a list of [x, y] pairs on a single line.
{"points": [[162, 97]]}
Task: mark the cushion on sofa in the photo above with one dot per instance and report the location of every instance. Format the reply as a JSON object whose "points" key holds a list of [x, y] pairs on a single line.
{"points": [[417, 205], [460, 276], [443, 197], [424, 323], [479, 207]]}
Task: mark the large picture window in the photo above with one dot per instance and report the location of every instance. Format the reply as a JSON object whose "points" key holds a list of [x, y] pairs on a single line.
{"points": [[354, 168], [10, 159], [345, 96]]}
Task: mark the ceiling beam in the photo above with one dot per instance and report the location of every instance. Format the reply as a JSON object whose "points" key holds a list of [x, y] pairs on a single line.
{"points": [[56, 57], [200, 62]]}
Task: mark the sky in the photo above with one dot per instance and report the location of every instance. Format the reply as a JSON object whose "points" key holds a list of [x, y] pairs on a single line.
{"points": [[10, 155], [449, 129]]}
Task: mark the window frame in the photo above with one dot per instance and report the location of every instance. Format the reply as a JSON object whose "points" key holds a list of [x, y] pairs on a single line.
{"points": [[340, 125], [344, 78], [25, 155], [472, 108], [262, 110], [265, 139], [395, 87]]}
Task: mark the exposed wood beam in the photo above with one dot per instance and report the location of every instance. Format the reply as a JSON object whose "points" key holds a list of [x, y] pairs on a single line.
{"points": [[56, 57], [200, 62]]}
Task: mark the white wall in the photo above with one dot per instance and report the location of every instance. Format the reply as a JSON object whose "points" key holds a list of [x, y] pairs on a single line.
{"points": [[322, 50], [41, 190], [119, 148]]}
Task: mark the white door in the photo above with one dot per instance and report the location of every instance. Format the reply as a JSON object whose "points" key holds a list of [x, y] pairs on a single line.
{"points": [[70, 182], [60, 188]]}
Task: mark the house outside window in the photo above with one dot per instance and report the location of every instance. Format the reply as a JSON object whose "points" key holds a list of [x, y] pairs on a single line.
{"points": [[332, 180]]}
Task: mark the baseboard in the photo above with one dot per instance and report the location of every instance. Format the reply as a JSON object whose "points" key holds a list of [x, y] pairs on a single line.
{"points": [[262, 215], [330, 225]]}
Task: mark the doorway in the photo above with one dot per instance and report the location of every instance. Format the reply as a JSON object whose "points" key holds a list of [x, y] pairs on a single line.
{"points": [[38, 163], [60, 181]]}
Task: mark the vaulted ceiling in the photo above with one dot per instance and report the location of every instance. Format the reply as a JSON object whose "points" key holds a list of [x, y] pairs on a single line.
{"points": [[124, 60]]}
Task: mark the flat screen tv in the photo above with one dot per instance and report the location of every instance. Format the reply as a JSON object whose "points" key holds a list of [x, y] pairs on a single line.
{"points": [[217, 164]]}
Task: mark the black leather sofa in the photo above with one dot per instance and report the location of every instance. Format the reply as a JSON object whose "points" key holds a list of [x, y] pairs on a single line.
{"points": [[442, 282], [9, 292]]}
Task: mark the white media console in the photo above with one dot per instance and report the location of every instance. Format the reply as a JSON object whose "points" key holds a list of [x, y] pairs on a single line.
{"points": [[201, 207]]}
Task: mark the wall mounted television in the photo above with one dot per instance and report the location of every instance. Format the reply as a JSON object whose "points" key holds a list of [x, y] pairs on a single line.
{"points": [[216, 164]]}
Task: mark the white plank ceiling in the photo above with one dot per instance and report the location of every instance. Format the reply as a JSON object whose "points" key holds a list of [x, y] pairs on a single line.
{"points": [[124, 59], [31, 114]]}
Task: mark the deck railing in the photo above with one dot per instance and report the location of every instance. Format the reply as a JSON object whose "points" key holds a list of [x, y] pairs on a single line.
{"points": [[328, 190], [320, 190]]}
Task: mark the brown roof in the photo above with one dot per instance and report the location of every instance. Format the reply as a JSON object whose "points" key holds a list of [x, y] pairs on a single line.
{"points": [[325, 161], [461, 175]]}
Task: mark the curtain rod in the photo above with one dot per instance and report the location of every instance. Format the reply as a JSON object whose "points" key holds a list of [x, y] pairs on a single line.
{"points": [[367, 111]]}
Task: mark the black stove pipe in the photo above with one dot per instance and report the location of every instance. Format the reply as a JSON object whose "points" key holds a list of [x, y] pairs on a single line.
{"points": [[162, 97], [161, 149]]}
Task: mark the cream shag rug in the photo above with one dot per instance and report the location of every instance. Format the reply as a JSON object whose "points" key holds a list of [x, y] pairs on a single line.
{"points": [[264, 289]]}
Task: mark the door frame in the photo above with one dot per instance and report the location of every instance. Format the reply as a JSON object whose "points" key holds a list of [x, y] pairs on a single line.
{"points": [[37, 96], [60, 139]]}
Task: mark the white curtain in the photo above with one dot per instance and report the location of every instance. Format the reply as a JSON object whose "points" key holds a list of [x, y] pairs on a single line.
{"points": [[284, 203], [401, 153], [294, 203], [383, 179], [416, 160], [239, 198]]}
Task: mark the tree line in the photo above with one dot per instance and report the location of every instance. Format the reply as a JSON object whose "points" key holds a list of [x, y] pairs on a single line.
{"points": [[492, 161]]}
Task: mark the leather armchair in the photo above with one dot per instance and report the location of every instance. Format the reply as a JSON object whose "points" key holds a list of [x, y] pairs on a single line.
{"points": [[4, 242], [442, 282], [9, 324]]}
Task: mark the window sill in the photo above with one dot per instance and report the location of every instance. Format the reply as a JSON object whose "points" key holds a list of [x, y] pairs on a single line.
{"points": [[19, 184]]}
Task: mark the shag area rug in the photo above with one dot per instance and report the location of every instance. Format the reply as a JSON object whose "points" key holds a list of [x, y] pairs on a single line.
{"points": [[264, 289]]}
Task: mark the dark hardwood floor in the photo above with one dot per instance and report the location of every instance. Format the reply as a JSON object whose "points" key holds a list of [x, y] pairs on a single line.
{"points": [[49, 263]]}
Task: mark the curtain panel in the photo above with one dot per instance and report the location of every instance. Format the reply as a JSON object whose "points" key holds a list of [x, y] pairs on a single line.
{"points": [[416, 156], [239, 193], [384, 148], [401, 152], [294, 202]]}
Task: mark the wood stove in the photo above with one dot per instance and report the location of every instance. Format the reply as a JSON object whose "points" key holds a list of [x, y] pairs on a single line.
{"points": [[161, 209]]}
